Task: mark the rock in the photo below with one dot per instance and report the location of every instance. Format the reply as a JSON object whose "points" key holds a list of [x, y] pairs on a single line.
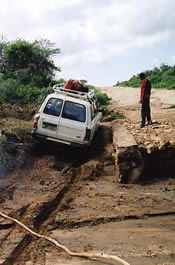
{"points": [[91, 170], [42, 182], [150, 148], [161, 145], [130, 164]]}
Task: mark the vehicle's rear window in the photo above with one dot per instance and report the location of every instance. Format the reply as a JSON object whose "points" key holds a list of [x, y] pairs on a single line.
{"points": [[74, 111], [53, 106]]}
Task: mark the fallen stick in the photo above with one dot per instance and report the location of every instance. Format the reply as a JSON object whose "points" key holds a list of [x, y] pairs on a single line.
{"points": [[84, 255]]}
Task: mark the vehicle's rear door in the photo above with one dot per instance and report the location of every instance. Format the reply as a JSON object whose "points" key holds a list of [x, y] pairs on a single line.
{"points": [[72, 125], [48, 123]]}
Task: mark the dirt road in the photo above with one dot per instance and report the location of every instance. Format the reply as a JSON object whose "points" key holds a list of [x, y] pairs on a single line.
{"points": [[73, 196], [127, 99]]}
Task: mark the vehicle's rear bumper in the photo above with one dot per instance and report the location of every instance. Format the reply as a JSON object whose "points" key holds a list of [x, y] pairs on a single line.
{"points": [[39, 137]]}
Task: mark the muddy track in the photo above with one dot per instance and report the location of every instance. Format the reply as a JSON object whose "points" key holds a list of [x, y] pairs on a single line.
{"points": [[46, 211], [45, 222], [73, 196], [105, 220]]}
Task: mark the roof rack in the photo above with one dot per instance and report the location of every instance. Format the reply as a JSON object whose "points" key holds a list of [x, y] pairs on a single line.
{"points": [[59, 88]]}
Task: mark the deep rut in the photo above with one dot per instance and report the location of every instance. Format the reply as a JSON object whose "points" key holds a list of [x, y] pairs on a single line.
{"points": [[22, 250]]}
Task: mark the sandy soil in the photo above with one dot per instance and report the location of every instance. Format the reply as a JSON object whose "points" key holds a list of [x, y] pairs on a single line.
{"points": [[73, 196], [127, 99]]}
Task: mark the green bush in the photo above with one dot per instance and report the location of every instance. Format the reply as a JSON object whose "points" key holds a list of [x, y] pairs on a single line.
{"points": [[113, 116], [13, 91], [43, 93], [102, 98], [8, 92], [32, 94], [162, 77], [28, 93]]}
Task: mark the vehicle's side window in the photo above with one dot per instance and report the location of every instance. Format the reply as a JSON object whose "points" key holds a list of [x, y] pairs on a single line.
{"points": [[92, 113], [74, 111], [53, 106]]}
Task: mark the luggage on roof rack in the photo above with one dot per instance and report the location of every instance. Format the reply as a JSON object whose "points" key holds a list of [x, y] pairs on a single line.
{"points": [[59, 88], [76, 85]]}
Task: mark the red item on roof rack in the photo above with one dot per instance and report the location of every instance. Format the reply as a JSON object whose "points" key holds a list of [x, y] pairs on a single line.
{"points": [[69, 84], [75, 85]]}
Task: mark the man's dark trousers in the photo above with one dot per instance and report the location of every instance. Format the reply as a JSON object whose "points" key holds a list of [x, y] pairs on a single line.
{"points": [[145, 112]]}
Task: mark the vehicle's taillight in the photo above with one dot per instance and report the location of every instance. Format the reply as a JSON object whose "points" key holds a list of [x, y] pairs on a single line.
{"points": [[88, 134], [35, 121]]}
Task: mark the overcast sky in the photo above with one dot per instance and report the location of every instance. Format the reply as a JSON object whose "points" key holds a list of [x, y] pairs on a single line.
{"points": [[102, 41]]}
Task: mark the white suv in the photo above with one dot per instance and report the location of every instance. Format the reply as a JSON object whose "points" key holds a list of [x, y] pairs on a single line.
{"points": [[68, 117]]}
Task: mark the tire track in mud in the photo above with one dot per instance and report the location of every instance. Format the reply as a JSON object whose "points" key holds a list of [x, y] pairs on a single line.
{"points": [[31, 249], [46, 214], [45, 211], [105, 220]]}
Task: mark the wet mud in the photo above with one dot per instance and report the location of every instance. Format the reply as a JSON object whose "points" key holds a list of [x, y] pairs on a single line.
{"points": [[73, 195]]}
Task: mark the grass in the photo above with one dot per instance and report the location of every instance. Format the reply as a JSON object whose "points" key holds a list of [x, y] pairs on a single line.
{"points": [[114, 116]]}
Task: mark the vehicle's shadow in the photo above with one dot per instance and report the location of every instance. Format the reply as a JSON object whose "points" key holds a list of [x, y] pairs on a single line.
{"points": [[77, 155]]}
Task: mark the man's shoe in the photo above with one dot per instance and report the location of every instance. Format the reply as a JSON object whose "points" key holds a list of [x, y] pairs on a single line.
{"points": [[150, 123], [142, 126]]}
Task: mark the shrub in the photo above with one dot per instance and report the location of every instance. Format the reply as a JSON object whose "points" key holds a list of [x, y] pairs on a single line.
{"points": [[162, 77], [30, 93], [102, 98], [114, 116], [8, 92]]}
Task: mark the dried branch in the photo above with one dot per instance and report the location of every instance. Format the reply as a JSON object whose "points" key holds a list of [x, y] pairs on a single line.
{"points": [[84, 255]]}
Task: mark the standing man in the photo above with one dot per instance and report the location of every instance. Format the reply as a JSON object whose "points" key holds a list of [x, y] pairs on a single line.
{"points": [[145, 93]]}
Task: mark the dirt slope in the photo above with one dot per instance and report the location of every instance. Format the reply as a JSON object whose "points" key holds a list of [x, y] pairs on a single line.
{"points": [[73, 196], [127, 100]]}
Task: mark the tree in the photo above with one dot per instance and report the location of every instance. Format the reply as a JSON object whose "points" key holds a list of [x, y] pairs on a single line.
{"points": [[28, 62], [160, 77]]}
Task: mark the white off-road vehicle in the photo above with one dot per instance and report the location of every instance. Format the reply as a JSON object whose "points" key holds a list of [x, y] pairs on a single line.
{"points": [[68, 117]]}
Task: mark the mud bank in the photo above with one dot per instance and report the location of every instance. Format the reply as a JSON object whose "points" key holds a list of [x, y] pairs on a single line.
{"points": [[115, 145], [74, 196], [136, 162]]}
